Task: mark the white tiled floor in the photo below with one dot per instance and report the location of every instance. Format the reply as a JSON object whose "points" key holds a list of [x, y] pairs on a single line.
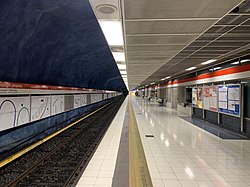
{"points": [[100, 169], [181, 154]]}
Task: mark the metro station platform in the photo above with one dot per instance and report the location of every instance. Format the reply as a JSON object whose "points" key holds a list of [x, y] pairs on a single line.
{"points": [[177, 153]]}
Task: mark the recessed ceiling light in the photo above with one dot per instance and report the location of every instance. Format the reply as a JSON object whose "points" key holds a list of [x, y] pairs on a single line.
{"points": [[167, 77], [121, 66], [246, 60], [123, 72], [152, 82], [234, 63], [106, 8], [208, 62], [119, 56], [112, 31], [216, 68], [191, 68], [163, 79]]}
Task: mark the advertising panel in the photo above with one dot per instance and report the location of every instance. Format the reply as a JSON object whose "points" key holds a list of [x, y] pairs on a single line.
{"points": [[229, 99], [213, 92], [194, 96], [206, 95], [199, 97]]}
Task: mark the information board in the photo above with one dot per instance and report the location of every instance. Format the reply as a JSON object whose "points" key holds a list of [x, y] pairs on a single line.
{"points": [[213, 92], [199, 97], [229, 99], [206, 95], [194, 96]]}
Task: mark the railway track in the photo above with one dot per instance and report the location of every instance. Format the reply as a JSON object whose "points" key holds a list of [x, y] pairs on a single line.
{"points": [[61, 160]]}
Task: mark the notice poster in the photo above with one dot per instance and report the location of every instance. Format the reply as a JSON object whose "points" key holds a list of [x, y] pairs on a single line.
{"points": [[222, 98], [199, 97], [213, 98], [194, 96], [229, 99], [234, 99], [206, 95]]}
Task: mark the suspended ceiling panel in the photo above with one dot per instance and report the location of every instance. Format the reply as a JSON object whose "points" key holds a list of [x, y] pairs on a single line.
{"points": [[228, 38], [158, 31], [161, 9]]}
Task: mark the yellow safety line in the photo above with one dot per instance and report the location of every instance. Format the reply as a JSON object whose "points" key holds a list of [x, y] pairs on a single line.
{"points": [[138, 169], [27, 149]]}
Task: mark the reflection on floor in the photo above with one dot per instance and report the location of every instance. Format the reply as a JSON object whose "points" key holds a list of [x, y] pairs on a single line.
{"points": [[213, 129], [180, 154]]}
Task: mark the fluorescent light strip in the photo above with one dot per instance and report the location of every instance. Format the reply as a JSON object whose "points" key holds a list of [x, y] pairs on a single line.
{"points": [[234, 63], [112, 31], [242, 61], [121, 66], [216, 68], [119, 56], [123, 72], [208, 62], [246, 60], [191, 68]]}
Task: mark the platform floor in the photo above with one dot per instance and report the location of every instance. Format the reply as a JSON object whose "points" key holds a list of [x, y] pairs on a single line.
{"points": [[100, 170], [178, 154]]}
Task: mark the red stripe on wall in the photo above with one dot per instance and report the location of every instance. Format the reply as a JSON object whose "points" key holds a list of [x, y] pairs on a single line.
{"points": [[37, 86], [227, 71]]}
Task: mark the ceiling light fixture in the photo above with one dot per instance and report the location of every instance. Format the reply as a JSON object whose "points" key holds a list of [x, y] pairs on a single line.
{"points": [[246, 60], [152, 82], [119, 56], [208, 62], [121, 66], [112, 31], [191, 68], [216, 68], [234, 63], [123, 72]]}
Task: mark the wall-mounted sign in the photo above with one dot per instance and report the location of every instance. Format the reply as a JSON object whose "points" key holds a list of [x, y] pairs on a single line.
{"points": [[213, 92], [229, 99], [206, 96], [199, 98], [194, 96]]}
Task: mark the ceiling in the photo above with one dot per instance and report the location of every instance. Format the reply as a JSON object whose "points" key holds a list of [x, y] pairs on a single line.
{"points": [[166, 37]]}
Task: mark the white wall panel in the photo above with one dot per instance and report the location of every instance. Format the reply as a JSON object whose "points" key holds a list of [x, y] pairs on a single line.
{"points": [[80, 100], [57, 104], [14, 111], [40, 107]]}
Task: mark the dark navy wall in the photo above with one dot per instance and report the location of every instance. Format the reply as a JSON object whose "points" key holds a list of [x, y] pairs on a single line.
{"points": [[55, 42]]}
